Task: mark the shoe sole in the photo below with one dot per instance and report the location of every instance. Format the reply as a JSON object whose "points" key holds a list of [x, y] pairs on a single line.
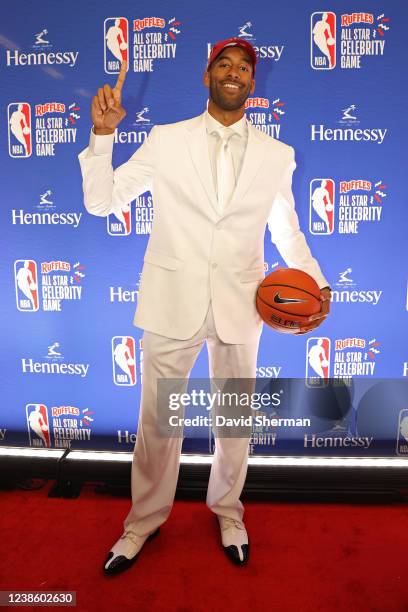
{"points": [[118, 569]]}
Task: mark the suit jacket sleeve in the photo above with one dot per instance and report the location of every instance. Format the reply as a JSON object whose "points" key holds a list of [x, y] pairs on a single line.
{"points": [[106, 189], [285, 231]]}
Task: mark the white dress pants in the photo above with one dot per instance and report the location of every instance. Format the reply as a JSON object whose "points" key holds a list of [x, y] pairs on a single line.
{"points": [[155, 464]]}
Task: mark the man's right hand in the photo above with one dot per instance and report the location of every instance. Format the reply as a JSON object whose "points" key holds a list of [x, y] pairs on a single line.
{"points": [[106, 110]]}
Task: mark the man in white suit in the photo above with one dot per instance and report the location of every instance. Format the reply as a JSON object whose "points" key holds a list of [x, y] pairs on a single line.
{"points": [[216, 183]]}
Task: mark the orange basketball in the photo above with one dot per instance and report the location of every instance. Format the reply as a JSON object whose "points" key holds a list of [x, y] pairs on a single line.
{"points": [[286, 298]]}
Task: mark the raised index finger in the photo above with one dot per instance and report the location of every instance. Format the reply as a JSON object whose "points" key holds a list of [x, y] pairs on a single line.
{"points": [[121, 76]]}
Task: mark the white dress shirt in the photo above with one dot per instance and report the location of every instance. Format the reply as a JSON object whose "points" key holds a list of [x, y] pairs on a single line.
{"points": [[237, 143]]}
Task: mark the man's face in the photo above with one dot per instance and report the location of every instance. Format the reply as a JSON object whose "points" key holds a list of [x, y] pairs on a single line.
{"points": [[229, 79]]}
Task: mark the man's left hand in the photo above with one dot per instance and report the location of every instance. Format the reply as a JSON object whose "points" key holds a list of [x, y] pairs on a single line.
{"points": [[317, 319]]}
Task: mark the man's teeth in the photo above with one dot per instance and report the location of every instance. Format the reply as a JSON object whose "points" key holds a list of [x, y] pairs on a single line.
{"points": [[230, 85]]}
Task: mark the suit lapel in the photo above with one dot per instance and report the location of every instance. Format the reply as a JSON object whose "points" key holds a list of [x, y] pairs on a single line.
{"points": [[198, 148], [196, 137], [254, 155]]}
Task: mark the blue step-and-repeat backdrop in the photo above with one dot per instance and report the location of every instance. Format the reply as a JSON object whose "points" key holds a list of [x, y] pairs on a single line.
{"points": [[331, 82]]}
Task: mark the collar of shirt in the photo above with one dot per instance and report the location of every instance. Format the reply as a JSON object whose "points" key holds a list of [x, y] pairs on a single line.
{"points": [[239, 127]]}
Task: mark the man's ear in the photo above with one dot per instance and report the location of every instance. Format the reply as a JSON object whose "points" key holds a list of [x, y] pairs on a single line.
{"points": [[206, 78], [252, 89]]}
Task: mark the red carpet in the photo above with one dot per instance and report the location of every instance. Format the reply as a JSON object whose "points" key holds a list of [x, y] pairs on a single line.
{"points": [[304, 557]]}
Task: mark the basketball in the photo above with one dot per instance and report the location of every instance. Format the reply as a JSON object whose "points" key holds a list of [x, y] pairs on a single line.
{"points": [[123, 46], [330, 41], [26, 130], [286, 298]]}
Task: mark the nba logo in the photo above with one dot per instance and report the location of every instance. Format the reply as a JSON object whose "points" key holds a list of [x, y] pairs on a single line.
{"points": [[37, 425], [123, 360], [323, 40], [116, 43], [119, 223], [321, 216], [19, 129], [25, 278], [317, 361], [402, 433]]}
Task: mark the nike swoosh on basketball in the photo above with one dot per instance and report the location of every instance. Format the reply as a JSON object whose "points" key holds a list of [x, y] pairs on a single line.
{"points": [[282, 300]]}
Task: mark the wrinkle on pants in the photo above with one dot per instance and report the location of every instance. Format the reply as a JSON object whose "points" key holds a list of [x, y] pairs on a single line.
{"points": [[156, 459]]}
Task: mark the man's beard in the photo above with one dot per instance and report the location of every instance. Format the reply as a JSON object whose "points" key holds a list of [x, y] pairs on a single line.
{"points": [[224, 102]]}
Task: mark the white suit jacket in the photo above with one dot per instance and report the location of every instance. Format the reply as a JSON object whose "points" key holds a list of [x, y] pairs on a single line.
{"points": [[194, 254]]}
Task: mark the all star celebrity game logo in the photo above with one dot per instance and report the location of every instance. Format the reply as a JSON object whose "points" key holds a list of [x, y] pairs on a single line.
{"points": [[351, 357], [140, 213], [345, 206], [54, 124], [142, 42], [119, 223], [361, 35], [61, 282], [266, 114], [59, 427]]}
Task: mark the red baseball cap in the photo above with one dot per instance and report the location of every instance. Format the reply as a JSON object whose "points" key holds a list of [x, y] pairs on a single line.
{"points": [[233, 42]]}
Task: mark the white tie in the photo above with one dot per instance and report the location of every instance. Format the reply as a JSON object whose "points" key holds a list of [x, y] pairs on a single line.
{"points": [[225, 167]]}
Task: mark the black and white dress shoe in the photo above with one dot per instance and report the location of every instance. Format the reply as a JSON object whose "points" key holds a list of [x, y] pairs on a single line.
{"points": [[125, 551], [234, 539]]}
